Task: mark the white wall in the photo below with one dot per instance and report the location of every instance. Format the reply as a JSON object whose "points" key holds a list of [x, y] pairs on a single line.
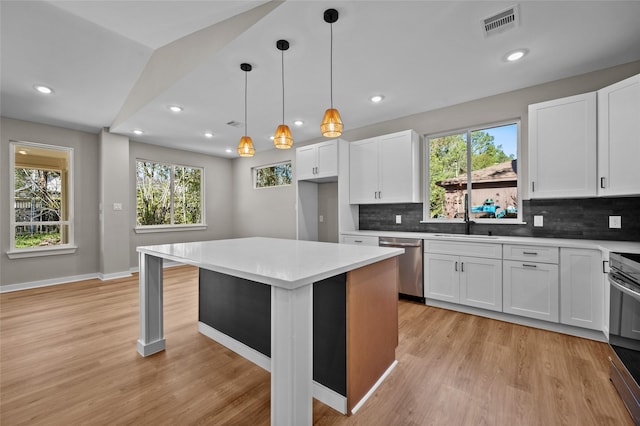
{"points": [[218, 196], [265, 212], [85, 182]]}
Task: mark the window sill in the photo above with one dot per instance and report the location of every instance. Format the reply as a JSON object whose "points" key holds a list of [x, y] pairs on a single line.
{"points": [[477, 221], [37, 252], [168, 228]]}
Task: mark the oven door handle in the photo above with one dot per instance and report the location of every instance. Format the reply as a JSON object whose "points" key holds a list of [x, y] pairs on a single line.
{"points": [[617, 285]]}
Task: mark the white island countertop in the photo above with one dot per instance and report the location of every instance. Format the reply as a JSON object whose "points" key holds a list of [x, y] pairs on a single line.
{"points": [[278, 262]]}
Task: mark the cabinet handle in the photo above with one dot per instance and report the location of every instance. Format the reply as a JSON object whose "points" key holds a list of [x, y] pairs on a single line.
{"points": [[602, 182], [533, 187], [528, 265], [456, 267], [461, 266], [357, 241], [379, 194], [530, 253]]}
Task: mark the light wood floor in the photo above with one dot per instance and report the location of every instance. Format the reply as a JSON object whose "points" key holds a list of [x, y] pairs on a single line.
{"points": [[68, 357]]}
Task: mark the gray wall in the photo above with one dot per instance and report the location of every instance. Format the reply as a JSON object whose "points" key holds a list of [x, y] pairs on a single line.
{"points": [[265, 212], [85, 182], [218, 196]]}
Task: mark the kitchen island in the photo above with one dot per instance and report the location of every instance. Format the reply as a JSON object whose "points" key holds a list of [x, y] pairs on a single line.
{"points": [[277, 280]]}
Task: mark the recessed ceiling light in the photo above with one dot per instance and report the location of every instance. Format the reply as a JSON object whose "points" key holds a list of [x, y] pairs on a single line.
{"points": [[138, 131], [175, 108], [22, 152], [377, 98], [43, 89], [208, 134], [271, 137], [298, 122], [228, 151], [515, 55]]}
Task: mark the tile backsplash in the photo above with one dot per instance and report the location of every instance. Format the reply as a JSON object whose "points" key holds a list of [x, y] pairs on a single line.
{"points": [[583, 218]]}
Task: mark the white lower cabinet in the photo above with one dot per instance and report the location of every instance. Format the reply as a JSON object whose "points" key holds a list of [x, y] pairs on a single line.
{"points": [[531, 289], [466, 280], [581, 288]]}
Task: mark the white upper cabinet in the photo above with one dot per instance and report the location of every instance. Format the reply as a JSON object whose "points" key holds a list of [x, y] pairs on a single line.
{"points": [[317, 161], [562, 147], [385, 169], [618, 138]]}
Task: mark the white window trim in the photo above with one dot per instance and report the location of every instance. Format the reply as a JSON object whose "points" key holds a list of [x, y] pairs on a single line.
{"points": [[147, 229], [254, 175], [70, 247], [467, 130]]}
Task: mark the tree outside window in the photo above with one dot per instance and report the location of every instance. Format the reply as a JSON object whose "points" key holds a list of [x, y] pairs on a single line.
{"points": [[491, 155], [273, 175], [168, 194]]}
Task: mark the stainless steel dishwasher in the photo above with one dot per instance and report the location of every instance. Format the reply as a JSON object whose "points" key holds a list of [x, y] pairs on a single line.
{"points": [[410, 264]]}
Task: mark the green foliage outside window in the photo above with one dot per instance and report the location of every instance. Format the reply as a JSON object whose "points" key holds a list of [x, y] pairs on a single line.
{"points": [[168, 195], [276, 175]]}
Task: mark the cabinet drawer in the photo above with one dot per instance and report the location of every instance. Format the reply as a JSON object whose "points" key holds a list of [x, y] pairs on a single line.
{"points": [[457, 248], [531, 253], [363, 240]]}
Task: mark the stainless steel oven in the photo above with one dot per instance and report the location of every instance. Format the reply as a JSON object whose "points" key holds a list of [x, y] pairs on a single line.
{"points": [[624, 329]]}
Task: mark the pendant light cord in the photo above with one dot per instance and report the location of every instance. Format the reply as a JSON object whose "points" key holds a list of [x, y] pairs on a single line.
{"points": [[245, 103], [282, 56], [331, 67]]}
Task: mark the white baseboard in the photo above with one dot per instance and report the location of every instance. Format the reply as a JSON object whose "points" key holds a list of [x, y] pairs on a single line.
{"points": [[66, 280], [320, 392], [114, 275], [46, 283]]}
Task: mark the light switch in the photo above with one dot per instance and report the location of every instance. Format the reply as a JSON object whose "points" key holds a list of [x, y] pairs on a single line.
{"points": [[398, 219], [537, 220], [117, 206], [615, 222]]}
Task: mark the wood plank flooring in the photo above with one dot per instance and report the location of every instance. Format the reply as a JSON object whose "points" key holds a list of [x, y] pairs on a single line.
{"points": [[68, 357]]}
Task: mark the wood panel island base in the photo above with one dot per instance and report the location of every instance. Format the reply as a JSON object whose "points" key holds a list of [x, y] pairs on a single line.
{"points": [[321, 317]]}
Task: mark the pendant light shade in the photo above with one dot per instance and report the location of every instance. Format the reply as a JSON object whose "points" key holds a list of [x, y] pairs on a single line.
{"points": [[282, 139], [245, 147], [331, 126]]}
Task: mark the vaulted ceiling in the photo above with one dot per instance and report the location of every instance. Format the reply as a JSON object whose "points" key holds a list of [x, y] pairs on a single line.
{"points": [[121, 64]]}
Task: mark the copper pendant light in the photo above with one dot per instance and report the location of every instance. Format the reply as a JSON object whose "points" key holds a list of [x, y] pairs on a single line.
{"points": [[331, 125], [282, 139], [245, 147]]}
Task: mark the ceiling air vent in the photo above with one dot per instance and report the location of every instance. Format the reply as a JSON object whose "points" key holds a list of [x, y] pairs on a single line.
{"points": [[234, 123], [501, 22]]}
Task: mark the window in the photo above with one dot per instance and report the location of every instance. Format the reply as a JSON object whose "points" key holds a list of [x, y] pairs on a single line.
{"points": [[42, 199], [273, 175], [492, 186], [168, 195]]}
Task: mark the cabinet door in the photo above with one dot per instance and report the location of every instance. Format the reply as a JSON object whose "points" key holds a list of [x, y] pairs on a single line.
{"points": [[398, 170], [530, 290], [618, 138], [481, 283], [327, 155], [562, 147], [581, 288], [363, 172], [306, 162], [441, 277]]}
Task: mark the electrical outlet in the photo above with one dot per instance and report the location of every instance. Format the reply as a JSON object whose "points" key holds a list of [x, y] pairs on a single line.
{"points": [[615, 222], [538, 220], [321, 218], [398, 219], [117, 206]]}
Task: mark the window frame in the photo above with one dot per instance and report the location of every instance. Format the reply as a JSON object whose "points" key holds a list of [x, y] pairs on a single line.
{"points": [[468, 130], [143, 229], [67, 248], [254, 175]]}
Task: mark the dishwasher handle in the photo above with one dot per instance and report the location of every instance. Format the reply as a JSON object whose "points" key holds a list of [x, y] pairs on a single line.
{"points": [[390, 244]]}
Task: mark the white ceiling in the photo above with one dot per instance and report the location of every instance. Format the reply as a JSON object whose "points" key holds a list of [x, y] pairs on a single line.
{"points": [[421, 55]]}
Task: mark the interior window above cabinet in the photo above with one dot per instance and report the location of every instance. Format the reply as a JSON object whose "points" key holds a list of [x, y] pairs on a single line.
{"points": [[318, 161], [618, 138], [562, 147], [385, 169]]}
